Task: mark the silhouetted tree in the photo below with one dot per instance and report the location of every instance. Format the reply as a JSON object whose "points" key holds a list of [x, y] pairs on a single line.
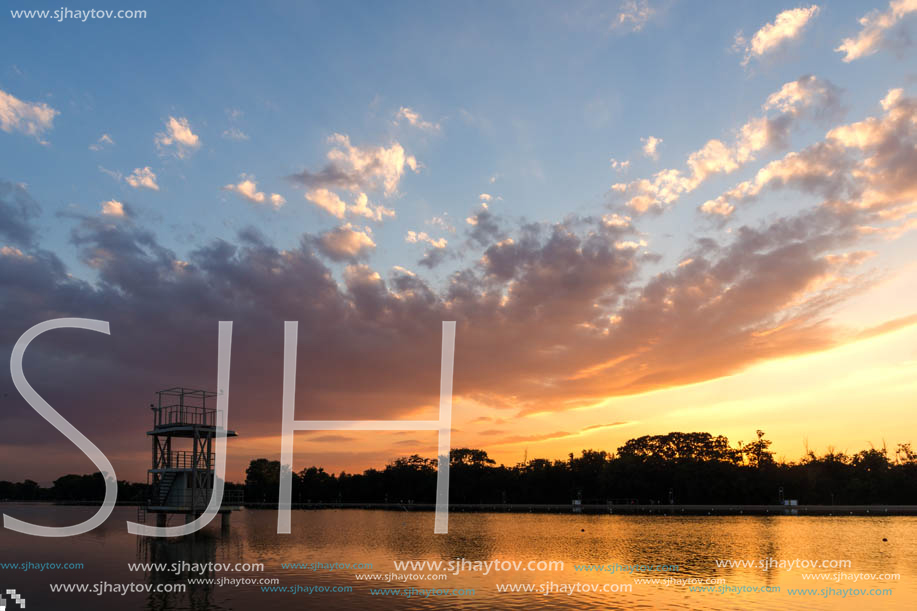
{"points": [[756, 453], [262, 480], [675, 447], [695, 467]]}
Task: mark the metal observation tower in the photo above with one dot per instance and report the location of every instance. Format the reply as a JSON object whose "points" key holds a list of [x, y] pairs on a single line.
{"points": [[181, 478]]}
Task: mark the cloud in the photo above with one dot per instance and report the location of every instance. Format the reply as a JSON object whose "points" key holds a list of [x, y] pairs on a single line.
{"points": [[143, 177], [17, 211], [806, 92], [650, 145], [433, 257], [788, 25], [550, 316], [414, 237], [332, 439], [549, 436], [362, 207], [633, 15], [436, 253], [620, 166], [178, 137], [861, 166], [30, 118], [12, 251], [719, 206], [345, 243], [807, 96], [359, 169], [247, 188], [874, 33], [112, 208], [328, 201], [485, 227], [118, 176], [234, 133], [442, 221], [414, 118], [103, 141], [331, 202]]}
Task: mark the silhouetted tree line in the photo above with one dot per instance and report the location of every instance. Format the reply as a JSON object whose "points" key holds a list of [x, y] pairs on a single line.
{"points": [[71, 488], [683, 467]]}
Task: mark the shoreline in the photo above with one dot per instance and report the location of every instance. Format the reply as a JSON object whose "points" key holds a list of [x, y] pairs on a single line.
{"points": [[589, 509]]}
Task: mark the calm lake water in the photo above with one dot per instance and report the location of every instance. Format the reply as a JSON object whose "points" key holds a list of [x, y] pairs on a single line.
{"points": [[380, 538]]}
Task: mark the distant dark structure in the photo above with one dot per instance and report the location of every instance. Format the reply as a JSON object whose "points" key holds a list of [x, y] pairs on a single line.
{"points": [[181, 480]]}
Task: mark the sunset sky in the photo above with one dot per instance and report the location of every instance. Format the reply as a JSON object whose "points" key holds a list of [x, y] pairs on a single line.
{"points": [[644, 216]]}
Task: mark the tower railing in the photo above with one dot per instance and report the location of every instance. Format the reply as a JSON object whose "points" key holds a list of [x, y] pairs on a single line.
{"points": [[183, 415], [184, 459]]}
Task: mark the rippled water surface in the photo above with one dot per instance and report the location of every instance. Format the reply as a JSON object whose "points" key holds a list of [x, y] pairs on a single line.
{"points": [[379, 538]]}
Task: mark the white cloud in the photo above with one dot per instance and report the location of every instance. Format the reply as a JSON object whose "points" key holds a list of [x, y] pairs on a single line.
{"points": [[717, 206], [328, 201], [403, 270], [787, 26], [875, 25], [112, 173], [248, 189], [415, 237], [862, 166], [630, 244], [616, 220], [792, 101], [387, 164], [143, 177], [620, 166], [362, 207], [634, 14], [331, 202], [234, 133], [650, 146], [414, 118], [355, 169], [103, 141], [112, 208], [797, 95], [30, 118], [442, 222], [179, 137], [346, 242]]}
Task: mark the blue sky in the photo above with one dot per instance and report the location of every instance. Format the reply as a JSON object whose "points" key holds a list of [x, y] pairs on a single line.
{"points": [[543, 111], [540, 96]]}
